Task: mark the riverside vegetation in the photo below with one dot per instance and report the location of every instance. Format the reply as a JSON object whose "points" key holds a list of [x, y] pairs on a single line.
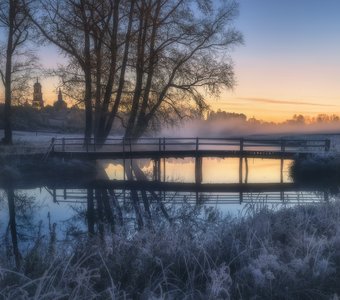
{"points": [[293, 253]]}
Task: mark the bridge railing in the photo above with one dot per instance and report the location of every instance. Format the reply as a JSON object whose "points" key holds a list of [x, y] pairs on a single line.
{"points": [[189, 144], [286, 197]]}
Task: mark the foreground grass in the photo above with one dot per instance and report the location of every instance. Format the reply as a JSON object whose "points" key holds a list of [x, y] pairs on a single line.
{"points": [[293, 253]]}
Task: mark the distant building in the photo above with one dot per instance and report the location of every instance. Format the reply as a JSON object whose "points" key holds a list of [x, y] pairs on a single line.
{"points": [[60, 104], [38, 101]]}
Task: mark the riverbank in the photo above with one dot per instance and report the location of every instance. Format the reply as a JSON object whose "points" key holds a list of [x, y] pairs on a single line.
{"points": [[293, 253], [32, 170]]}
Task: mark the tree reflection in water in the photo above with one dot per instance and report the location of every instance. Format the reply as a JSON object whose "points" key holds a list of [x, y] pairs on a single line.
{"points": [[21, 227], [143, 243]]}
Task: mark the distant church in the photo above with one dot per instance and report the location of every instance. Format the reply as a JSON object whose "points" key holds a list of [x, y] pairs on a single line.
{"points": [[60, 104], [38, 101]]}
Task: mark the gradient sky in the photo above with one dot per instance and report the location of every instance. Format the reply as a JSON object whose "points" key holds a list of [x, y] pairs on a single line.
{"points": [[290, 62]]}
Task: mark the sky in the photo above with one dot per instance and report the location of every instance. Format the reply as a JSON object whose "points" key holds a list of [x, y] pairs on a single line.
{"points": [[289, 63]]}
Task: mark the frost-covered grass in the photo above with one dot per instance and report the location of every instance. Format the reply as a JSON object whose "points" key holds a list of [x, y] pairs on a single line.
{"points": [[25, 142], [293, 253]]}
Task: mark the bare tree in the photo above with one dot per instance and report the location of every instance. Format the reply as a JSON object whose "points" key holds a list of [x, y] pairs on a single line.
{"points": [[144, 60], [185, 56], [173, 52], [15, 62], [67, 24]]}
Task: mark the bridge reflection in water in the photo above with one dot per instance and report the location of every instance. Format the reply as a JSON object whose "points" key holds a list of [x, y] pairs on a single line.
{"points": [[98, 206], [206, 195]]}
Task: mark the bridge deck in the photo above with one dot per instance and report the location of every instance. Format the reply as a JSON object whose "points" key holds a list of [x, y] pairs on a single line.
{"points": [[178, 154], [186, 147]]}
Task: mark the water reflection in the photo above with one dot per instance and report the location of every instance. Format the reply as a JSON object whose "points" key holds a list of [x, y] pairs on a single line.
{"points": [[61, 210], [17, 214], [215, 170]]}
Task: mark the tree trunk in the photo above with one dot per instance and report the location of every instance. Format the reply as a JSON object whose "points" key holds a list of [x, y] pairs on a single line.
{"points": [[88, 87], [13, 227], [115, 107], [143, 28], [99, 133], [8, 79]]}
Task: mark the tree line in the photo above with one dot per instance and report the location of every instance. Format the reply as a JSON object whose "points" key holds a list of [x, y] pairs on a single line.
{"points": [[140, 62]]}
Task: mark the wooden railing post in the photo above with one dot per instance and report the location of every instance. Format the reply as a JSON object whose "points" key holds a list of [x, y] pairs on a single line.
{"points": [[63, 144], [197, 144], [159, 144], [241, 144], [283, 145]]}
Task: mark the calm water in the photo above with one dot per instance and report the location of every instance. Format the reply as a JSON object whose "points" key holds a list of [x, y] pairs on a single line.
{"points": [[79, 210], [214, 170]]}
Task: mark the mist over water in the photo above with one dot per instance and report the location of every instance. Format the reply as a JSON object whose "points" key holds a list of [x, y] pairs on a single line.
{"points": [[239, 128]]}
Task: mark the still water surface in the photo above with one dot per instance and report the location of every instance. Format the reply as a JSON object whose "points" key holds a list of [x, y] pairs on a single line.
{"points": [[215, 170], [78, 211]]}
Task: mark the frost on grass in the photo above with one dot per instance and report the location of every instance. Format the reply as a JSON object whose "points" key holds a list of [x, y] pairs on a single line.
{"points": [[293, 253]]}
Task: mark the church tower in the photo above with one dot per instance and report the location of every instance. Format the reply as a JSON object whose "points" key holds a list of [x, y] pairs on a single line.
{"points": [[60, 104], [38, 101]]}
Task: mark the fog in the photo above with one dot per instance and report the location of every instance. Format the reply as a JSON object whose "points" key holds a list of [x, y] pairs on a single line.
{"points": [[241, 128]]}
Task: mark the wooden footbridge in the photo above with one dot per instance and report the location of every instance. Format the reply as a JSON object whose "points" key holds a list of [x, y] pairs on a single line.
{"points": [[186, 147], [158, 149]]}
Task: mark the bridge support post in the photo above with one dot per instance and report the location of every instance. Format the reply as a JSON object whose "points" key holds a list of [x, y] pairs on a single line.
{"points": [[157, 169], [124, 169], [198, 170], [128, 169], [199, 199], [240, 171], [90, 212], [283, 149], [281, 169], [247, 170], [164, 174], [131, 170]]}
